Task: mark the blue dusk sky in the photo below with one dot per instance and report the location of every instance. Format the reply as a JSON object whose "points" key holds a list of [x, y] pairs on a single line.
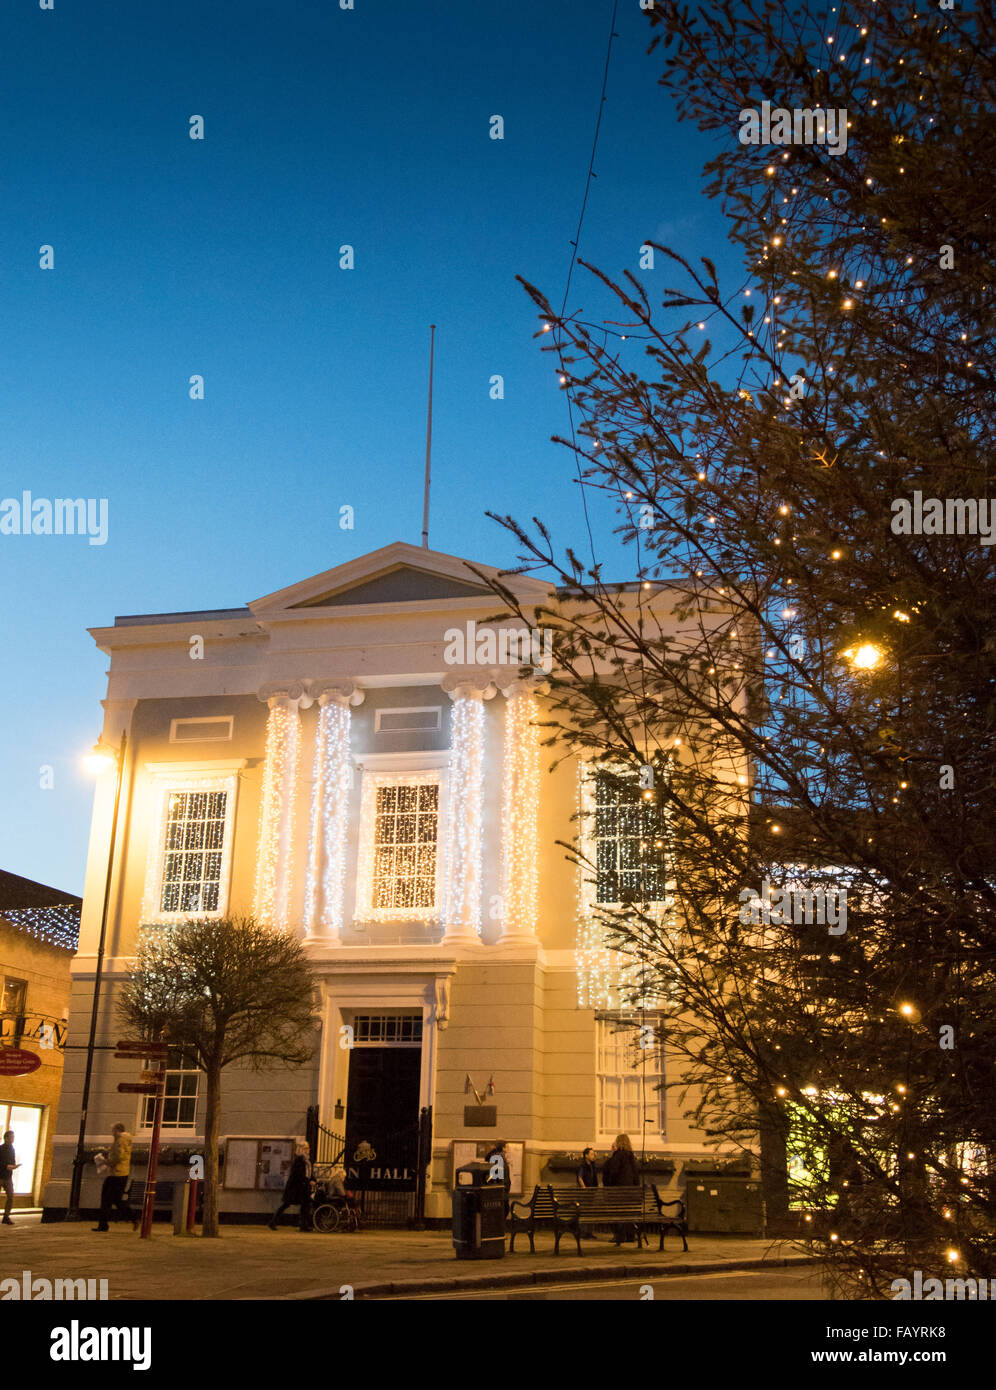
{"points": [[220, 257]]}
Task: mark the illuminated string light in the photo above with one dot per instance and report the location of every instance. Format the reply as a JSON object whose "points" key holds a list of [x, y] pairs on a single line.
{"points": [[164, 784], [608, 979], [422, 886], [520, 802], [276, 831], [464, 820], [58, 925], [326, 876]]}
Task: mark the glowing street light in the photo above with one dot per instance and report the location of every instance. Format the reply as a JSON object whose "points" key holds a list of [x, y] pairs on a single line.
{"points": [[865, 657], [100, 760]]}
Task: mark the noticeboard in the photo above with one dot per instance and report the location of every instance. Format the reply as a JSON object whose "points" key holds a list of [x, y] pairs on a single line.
{"points": [[258, 1164]]}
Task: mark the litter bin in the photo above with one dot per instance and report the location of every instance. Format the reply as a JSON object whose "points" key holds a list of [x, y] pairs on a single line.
{"points": [[478, 1214]]}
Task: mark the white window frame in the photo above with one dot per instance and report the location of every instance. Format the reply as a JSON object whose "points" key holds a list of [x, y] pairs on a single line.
{"points": [[414, 769], [644, 1136], [142, 1129], [214, 776]]}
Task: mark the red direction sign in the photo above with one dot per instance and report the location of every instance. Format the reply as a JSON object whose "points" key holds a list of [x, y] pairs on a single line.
{"points": [[17, 1061], [135, 1047], [138, 1088]]}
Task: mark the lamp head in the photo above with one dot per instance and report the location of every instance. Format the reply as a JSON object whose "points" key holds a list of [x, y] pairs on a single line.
{"points": [[101, 760]]}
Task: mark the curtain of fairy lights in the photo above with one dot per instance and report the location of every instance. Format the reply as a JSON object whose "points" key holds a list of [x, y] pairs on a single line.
{"points": [[275, 860], [464, 816], [520, 799], [326, 876], [609, 980]]}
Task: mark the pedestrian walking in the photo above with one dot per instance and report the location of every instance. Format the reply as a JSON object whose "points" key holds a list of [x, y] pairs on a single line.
{"points": [[112, 1193], [8, 1162], [587, 1172], [621, 1171], [298, 1187]]}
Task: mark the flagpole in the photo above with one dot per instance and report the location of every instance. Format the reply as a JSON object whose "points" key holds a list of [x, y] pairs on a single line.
{"points": [[428, 445]]}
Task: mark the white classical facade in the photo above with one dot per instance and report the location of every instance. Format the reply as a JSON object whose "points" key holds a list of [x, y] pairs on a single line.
{"points": [[319, 759]]}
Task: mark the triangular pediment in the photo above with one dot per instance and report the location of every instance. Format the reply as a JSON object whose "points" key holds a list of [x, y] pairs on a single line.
{"points": [[400, 585], [396, 574]]}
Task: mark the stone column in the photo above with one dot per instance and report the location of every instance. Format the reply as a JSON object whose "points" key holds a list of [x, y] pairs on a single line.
{"points": [[275, 851], [520, 801], [332, 784], [464, 808]]}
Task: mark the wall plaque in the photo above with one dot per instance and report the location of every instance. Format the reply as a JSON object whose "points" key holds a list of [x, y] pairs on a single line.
{"points": [[480, 1116]]}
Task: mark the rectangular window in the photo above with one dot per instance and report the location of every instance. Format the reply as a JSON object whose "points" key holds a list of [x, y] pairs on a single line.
{"points": [[628, 842], [372, 1029], [628, 1078], [180, 1104], [192, 861], [405, 842], [398, 866], [13, 1001], [212, 728], [409, 720]]}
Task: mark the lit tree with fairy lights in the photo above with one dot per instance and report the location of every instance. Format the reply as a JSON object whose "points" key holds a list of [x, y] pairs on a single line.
{"points": [[798, 465]]}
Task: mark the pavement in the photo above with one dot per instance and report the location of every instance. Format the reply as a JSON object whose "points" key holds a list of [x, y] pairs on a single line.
{"points": [[252, 1262]]}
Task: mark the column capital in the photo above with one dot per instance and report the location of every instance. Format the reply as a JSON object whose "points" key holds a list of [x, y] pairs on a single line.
{"points": [[525, 685], [469, 685], [286, 693], [336, 692]]}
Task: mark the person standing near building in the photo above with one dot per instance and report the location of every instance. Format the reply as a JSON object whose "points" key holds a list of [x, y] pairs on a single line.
{"points": [[621, 1171], [8, 1162], [498, 1159], [587, 1172], [112, 1194], [297, 1189]]}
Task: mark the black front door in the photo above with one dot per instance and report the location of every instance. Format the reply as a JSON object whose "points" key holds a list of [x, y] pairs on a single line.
{"points": [[382, 1117]]}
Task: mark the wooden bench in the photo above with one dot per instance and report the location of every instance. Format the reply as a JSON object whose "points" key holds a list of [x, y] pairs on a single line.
{"points": [[657, 1213], [571, 1208], [675, 1221]]}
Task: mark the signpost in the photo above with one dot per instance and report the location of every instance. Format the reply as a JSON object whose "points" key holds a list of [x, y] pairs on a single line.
{"points": [[153, 1083]]}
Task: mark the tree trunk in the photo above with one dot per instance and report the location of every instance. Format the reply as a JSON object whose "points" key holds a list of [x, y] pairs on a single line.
{"points": [[773, 1127], [212, 1120]]}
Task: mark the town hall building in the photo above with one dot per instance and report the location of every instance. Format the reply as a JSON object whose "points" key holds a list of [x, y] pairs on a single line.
{"points": [[355, 760]]}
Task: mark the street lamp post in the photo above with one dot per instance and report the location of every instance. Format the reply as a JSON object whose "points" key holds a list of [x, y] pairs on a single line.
{"points": [[79, 1162]]}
